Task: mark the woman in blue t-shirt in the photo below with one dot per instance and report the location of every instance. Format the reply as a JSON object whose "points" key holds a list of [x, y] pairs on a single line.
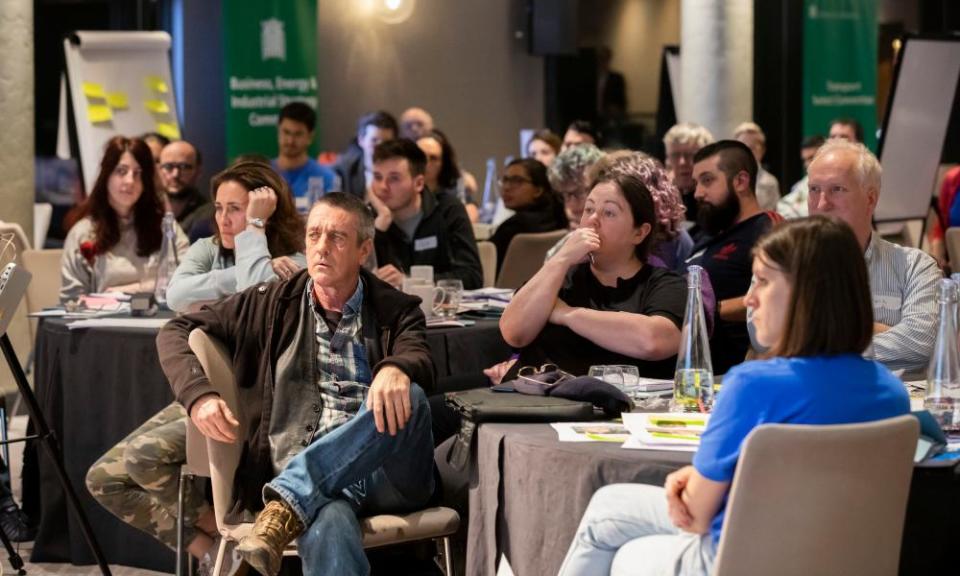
{"points": [[813, 310]]}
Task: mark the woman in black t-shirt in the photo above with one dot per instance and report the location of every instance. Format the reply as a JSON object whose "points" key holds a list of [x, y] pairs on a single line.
{"points": [[597, 301]]}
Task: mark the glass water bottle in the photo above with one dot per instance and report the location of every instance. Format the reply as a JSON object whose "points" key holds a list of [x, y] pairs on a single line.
{"points": [[168, 261], [693, 381], [942, 397]]}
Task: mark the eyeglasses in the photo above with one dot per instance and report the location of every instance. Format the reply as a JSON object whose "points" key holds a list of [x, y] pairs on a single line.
{"points": [[545, 374], [513, 181], [171, 166]]}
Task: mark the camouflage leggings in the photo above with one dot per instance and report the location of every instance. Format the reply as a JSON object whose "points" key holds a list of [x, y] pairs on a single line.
{"points": [[138, 479]]}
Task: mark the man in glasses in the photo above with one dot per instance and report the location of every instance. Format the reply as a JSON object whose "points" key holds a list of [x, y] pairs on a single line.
{"points": [[179, 169]]}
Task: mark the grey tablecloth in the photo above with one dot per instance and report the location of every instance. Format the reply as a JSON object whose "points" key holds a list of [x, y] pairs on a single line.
{"points": [[530, 491], [97, 385]]}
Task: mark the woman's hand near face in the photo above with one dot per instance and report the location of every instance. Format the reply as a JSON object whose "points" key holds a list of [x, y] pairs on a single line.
{"points": [[262, 203], [578, 246]]}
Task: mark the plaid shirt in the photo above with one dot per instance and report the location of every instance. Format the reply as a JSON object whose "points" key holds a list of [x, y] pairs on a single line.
{"points": [[342, 371]]}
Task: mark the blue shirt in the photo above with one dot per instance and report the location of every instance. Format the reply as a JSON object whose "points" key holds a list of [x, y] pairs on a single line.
{"points": [[843, 389], [299, 181]]}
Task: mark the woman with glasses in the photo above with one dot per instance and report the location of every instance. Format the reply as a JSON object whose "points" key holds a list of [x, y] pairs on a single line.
{"points": [[597, 300], [443, 175], [259, 238], [525, 189], [115, 245], [812, 307]]}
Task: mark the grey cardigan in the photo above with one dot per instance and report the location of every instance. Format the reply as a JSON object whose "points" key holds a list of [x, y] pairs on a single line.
{"points": [[205, 276]]}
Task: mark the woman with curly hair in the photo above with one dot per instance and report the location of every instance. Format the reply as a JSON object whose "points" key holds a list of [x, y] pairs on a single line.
{"points": [[115, 245], [672, 245]]}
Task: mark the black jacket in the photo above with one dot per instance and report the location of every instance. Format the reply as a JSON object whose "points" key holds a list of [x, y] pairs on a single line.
{"points": [[443, 239], [350, 169], [257, 326]]}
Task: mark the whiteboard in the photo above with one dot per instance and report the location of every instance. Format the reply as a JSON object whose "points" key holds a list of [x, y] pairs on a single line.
{"points": [[916, 126], [119, 84]]}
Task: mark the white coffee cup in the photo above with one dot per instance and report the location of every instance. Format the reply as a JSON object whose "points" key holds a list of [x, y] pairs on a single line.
{"points": [[422, 272], [430, 296]]}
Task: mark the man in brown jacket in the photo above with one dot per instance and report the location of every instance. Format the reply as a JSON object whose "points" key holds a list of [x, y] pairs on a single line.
{"points": [[332, 368]]}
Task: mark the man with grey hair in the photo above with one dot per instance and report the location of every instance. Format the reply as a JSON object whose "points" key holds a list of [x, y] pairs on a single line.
{"points": [[768, 187], [682, 142], [845, 182], [332, 367]]}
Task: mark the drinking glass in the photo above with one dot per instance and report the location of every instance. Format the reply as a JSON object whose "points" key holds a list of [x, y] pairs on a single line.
{"points": [[452, 293]]}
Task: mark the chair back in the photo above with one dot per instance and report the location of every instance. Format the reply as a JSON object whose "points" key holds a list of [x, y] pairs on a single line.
{"points": [[44, 289], [223, 458], [819, 500], [42, 214], [952, 239], [525, 256], [488, 261]]}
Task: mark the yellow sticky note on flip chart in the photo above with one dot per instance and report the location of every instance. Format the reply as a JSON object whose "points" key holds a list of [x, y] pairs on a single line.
{"points": [[157, 106], [99, 113], [157, 84], [93, 90], [169, 130], [117, 100]]}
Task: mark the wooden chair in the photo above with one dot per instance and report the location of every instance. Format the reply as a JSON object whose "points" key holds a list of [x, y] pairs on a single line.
{"points": [[525, 256], [819, 500], [19, 330], [437, 523], [488, 261]]}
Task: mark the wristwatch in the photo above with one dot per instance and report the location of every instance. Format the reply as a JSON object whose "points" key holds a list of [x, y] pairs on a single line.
{"points": [[257, 223]]}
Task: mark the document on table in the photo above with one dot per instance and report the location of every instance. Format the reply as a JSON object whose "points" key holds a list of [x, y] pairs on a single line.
{"points": [[664, 431], [591, 431], [119, 323]]}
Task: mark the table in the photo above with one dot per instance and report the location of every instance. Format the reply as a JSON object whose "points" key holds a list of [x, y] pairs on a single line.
{"points": [[530, 491], [96, 385]]}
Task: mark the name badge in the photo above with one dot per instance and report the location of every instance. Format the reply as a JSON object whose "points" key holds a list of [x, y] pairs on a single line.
{"points": [[428, 243]]}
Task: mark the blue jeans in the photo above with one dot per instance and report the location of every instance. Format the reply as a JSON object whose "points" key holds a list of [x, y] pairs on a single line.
{"points": [[355, 470], [626, 530]]}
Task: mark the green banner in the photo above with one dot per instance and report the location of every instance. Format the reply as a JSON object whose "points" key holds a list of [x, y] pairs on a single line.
{"points": [[270, 60], [840, 65]]}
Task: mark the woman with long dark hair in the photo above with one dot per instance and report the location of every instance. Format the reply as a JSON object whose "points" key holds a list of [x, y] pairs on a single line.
{"points": [[443, 174], [812, 308], [115, 245], [258, 238]]}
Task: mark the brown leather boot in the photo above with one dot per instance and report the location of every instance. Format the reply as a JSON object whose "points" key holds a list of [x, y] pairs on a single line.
{"points": [[276, 526]]}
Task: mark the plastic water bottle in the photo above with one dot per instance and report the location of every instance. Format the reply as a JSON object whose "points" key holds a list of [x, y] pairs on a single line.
{"points": [[693, 381], [942, 397], [168, 261]]}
